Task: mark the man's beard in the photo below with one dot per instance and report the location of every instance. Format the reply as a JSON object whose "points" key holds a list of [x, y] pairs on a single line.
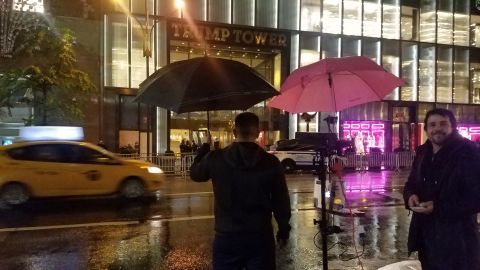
{"points": [[440, 140]]}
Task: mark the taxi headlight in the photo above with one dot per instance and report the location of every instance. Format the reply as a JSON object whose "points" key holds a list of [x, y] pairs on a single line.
{"points": [[154, 169]]}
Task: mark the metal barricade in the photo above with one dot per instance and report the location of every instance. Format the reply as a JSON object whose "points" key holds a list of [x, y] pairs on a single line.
{"points": [[179, 164]]}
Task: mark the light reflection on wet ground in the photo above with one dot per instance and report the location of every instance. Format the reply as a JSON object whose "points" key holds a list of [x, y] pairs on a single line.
{"points": [[166, 238]]}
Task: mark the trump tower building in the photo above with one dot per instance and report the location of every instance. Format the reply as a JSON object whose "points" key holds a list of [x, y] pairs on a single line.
{"points": [[432, 45]]}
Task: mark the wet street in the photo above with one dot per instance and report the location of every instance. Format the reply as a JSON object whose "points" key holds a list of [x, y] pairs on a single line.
{"points": [[175, 230]]}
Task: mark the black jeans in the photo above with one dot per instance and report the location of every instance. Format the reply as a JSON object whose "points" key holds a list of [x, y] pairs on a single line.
{"points": [[250, 251]]}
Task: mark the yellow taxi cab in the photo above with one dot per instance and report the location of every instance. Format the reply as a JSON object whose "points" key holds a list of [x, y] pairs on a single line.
{"points": [[71, 168]]}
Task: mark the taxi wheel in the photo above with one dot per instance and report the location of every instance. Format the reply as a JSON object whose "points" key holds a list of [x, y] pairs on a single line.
{"points": [[132, 188], [14, 194]]}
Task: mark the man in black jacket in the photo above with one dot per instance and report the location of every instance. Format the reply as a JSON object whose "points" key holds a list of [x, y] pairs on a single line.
{"points": [[248, 184], [443, 190]]}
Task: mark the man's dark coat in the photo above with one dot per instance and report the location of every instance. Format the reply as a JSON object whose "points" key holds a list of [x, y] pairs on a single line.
{"points": [[451, 179], [249, 184]]}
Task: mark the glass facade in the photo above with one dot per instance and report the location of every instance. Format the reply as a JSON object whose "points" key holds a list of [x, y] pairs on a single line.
{"points": [[432, 45]]}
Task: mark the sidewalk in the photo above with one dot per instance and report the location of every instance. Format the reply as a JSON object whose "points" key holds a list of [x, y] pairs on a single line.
{"points": [[385, 224]]}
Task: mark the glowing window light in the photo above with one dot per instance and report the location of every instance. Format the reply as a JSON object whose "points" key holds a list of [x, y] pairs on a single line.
{"points": [[365, 126], [29, 6], [378, 126]]}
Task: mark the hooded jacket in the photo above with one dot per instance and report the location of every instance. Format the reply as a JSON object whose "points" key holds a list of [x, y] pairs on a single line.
{"points": [[248, 184], [451, 179]]}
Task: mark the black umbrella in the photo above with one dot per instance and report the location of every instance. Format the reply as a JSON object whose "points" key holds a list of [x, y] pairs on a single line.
{"points": [[205, 84]]}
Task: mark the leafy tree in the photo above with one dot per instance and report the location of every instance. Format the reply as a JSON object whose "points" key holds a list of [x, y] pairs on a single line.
{"points": [[11, 86], [60, 90]]}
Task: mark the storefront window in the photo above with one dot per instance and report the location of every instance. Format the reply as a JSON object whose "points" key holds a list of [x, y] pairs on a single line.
{"points": [[332, 14], [391, 63], [460, 83], [310, 19], [428, 19], [445, 22], [391, 19], [371, 49], [219, 11], [409, 23], [426, 73], [117, 58], [330, 46], [409, 71], [475, 31], [309, 49], [352, 17], [289, 12], [444, 74], [372, 18], [266, 13], [350, 46], [461, 30], [244, 12], [475, 75]]}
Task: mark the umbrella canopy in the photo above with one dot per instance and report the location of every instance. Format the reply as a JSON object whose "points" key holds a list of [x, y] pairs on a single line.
{"points": [[334, 84], [205, 84]]}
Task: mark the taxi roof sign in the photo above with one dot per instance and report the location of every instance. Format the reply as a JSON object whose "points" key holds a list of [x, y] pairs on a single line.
{"points": [[47, 133]]}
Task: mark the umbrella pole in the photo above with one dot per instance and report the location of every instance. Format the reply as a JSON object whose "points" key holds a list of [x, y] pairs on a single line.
{"points": [[208, 120], [321, 168]]}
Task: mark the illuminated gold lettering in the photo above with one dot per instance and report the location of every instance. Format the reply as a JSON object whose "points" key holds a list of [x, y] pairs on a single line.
{"points": [[260, 38]]}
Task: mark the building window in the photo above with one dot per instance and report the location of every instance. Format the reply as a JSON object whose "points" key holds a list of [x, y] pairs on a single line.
{"points": [[371, 49], [117, 56], [352, 17], [244, 12], [460, 34], [426, 73], [475, 75], [391, 19], [351, 46], [409, 23], [266, 13], [219, 11], [428, 19], [372, 18], [332, 14], [445, 22], [391, 63], [309, 49], [409, 71], [475, 31], [289, 13], [460, 83], [444, 74], [330, 46], [310, 19]]}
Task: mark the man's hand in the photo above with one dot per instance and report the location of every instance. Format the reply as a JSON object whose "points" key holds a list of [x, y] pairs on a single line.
{"points": [[413, 201], [425, 208]]}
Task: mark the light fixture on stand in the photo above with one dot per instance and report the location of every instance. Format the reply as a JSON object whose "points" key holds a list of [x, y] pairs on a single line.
{"points": [[308, 117]]}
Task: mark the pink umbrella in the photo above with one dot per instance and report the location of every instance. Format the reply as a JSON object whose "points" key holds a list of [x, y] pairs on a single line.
{"points": [[334, 84]]}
